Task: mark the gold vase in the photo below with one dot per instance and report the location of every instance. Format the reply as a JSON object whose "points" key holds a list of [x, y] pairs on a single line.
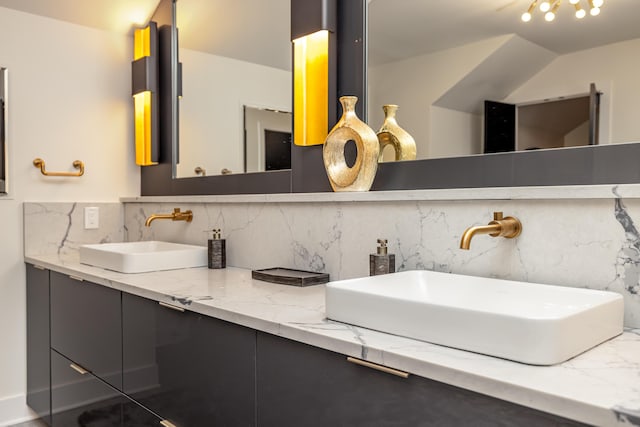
{"points": [[360, 176], [392, 134]]}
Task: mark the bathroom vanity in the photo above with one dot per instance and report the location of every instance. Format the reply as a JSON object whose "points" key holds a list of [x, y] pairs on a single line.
{"points": [[199, 347]]}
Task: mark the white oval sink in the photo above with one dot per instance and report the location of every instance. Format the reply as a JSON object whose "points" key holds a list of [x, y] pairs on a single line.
{"points": [[525, 322], [141, 257]]}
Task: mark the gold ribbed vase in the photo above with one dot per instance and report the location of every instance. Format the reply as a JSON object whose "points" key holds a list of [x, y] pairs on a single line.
{"points": [[392, 134], [360, 176]]}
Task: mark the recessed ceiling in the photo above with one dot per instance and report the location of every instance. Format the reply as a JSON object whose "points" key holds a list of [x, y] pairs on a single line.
{"points": [[255, 31], [400, 30], [258, 30], [120, 16]]}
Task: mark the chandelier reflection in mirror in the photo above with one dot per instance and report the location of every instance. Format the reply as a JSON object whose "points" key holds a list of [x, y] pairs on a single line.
{"points": [[550, 8]]}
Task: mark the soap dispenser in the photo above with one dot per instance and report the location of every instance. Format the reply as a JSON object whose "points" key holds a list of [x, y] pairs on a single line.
{"points": [[382, 262], [217, 254]]}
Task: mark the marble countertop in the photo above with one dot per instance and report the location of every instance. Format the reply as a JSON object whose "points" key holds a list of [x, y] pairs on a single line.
{"points": [[599, 387]]}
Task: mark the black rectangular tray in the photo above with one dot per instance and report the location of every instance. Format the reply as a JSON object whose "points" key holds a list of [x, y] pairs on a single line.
{"points": [[287, 276]]}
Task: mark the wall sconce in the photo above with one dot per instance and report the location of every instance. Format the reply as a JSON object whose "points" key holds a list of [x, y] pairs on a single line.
{"points": [[314, 101], [144, 87]]}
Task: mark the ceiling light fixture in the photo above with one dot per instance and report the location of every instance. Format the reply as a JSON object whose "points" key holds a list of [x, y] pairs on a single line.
{"points": [[550, 9]]}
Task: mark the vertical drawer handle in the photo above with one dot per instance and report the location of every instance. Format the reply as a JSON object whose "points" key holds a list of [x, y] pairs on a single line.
{"points": [[172, 307], [167, 423], [79, 279], [79, 369], [377, 367]]}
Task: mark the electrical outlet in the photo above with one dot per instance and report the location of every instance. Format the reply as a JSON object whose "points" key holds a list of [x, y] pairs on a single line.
{"points": [[91, 218]]}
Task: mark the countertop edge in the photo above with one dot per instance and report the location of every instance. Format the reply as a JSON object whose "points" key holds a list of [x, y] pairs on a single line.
{"points": [[603, 191]]}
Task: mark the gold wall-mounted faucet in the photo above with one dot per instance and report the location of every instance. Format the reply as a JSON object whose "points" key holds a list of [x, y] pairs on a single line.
{"points": [[176, 215], [508, 227]]}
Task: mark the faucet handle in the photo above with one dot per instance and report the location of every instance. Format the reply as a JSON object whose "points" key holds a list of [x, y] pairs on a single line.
{"points": [[382, 249], [498, 216]]}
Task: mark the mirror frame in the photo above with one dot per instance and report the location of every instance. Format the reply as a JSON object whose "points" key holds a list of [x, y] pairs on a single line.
{"points": [[590, 165], [4, 150]]}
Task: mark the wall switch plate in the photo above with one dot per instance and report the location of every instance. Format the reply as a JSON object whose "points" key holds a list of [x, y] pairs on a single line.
{"points": [[91, 218]]}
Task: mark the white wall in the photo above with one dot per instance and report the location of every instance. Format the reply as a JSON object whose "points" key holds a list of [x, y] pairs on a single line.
{"points": [[69, 98], [416, 83], [215, 89], [614, 70], [454, 133]]}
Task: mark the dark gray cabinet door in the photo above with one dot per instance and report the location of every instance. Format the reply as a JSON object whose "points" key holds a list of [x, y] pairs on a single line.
{"points": [[86, 326], [300, 385], [81, 399], [190, 369], [38, 366]]}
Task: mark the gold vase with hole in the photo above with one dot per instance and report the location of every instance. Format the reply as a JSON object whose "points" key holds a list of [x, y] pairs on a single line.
{"points": [[358, 177], [392, 134]]}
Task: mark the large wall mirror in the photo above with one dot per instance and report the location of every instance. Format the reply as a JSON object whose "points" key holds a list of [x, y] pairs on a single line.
{"points": [[441, 62], [236, 61], [415, 62]]}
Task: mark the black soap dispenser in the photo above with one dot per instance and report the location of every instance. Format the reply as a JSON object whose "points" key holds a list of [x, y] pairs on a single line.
{"points": [[382, 262], [217, 254]]}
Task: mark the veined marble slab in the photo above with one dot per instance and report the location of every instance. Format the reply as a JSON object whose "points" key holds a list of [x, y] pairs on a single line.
{"points": [[58, 228], [587, 243], [600, 386]]}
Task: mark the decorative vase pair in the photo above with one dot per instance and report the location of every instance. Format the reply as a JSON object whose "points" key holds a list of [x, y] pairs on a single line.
{"points": [[369, 147]]}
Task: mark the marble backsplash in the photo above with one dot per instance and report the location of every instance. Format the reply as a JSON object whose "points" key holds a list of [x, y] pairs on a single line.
{"points": [[591, 243], [58, 228]]}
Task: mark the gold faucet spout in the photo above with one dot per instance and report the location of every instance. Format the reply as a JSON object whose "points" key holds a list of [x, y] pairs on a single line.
{"points": [[465, 241], [508, 227], [176, 215]]}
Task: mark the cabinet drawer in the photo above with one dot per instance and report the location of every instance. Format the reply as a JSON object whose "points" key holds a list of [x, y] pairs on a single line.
{"points": [[188, 368], [81, 399], [86, 326], [301, 385]]}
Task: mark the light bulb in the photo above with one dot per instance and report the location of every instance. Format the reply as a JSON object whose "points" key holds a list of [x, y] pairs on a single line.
{"points": [[595, 11], [545, 6], [580, 13], [574, 1], [549, 16], [526, 17], [598, 3]]}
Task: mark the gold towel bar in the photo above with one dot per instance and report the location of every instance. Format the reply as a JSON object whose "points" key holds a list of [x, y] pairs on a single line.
{"points": [[39, 163]]}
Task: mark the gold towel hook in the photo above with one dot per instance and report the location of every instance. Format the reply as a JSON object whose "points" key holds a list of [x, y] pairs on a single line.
{"points": [[39, 163]]}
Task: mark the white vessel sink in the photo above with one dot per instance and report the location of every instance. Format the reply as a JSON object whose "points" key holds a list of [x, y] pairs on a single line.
{"points": [[525, 322], [141, 257]]}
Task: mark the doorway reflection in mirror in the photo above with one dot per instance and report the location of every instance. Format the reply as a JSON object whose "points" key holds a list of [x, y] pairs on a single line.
{"points": [[267, 143]]}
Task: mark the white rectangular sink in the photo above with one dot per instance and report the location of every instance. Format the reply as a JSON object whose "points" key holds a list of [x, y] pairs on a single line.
{"points": [[525, 322], [141, 257]]}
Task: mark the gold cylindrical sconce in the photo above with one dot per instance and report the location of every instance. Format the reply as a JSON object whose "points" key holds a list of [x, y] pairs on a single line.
{"points": [[144, 88], [313, 74]]}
